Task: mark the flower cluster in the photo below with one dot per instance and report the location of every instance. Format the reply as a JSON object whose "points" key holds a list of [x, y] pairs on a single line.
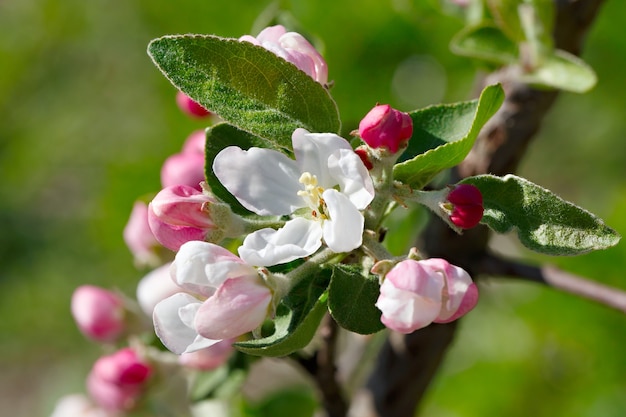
{"points": [[299, 213]]}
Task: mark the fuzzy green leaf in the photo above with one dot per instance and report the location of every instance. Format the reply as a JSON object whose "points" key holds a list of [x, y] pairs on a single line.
{"points": [[219, 137], [443, 135], [246, 85], [486, 43], [351, 299], [563, 71], [543, 221], [297, 317]]}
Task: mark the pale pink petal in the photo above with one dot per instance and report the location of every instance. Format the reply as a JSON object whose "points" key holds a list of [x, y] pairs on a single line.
{"points": [[263, 180], [240, 305], [172, 330], [271, 33], [343, 232], [154, 287], [295, 42], [298, 238], [201, 267]]}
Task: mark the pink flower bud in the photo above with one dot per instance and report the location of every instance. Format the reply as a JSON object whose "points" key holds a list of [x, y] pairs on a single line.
{"points": [[195, 142], [190, 107], [179, 214], [116, 382], [99, 313], [386, 127], [208, 358], [417, 293], [185, 168], [467, 206], [294, 48], [139, 238]]}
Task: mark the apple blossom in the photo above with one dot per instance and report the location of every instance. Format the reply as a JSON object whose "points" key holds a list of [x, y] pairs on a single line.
{"points": [[465, 203], [117, 381], [139, 238], [384, 126], [189, 106], [195, 142], [230, 299], [417, 293], [294, 48], [99, 313], [328, 179], [180, 213]]}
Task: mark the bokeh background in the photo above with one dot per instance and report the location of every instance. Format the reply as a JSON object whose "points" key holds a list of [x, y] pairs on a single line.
{"points": [[86, 121]]}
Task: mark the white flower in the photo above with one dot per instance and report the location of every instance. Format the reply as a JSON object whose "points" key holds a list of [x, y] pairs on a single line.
{"points": [[327, 179], [238, 300]]}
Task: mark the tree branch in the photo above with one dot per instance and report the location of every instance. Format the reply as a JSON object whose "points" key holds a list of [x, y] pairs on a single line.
{"points": [[556, 278]]}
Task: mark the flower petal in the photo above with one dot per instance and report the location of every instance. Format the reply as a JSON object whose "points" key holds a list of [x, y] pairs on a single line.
{"points": [[353, 178], [343, 232], [312, 151], [201, 267], [298, 238], [171, 329], [240, 305], [263, 180]]}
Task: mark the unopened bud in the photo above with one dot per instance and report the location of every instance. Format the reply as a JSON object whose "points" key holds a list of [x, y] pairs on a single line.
{"points": [[190, 107], [386, 127], [185, 168], [99, 313], [465, 203]]}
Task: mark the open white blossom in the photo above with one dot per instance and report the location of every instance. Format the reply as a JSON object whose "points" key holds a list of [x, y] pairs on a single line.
{"points": [[327, 179]]}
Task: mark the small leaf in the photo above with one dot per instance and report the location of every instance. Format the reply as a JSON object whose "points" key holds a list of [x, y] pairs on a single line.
{"points": [[485, 42], [246, 85], [219, 137], [505, 13], [297, 318], [563, 71], [443, 136], [351, 299], [544, 222]]}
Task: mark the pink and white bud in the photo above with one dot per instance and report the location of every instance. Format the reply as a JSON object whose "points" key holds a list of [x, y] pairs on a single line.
{"points": [[240, 305], [117, 381], [78, 405], [190, 107], [208, 358], [294, 48], [417, 293], [232, 299], [99, 313], [195, 142], [185, 168], [465, 203], [139, 238], [386, 127], [180, 214], [154, 287]]}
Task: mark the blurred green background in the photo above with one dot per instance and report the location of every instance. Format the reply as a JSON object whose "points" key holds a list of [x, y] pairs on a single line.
{"points": [[87, 120]]}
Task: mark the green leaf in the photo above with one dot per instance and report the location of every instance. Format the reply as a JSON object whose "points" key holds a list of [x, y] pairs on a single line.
{"points": [[297, 317], [543, 221], [563, 71], [219, 137], [443, 136], [505, 13], [246, 85], [351, 299], [485, 42]]}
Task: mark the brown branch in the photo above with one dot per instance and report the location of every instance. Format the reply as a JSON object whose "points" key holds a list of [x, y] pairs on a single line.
{"points": [[498, 150], [556, 278]]}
